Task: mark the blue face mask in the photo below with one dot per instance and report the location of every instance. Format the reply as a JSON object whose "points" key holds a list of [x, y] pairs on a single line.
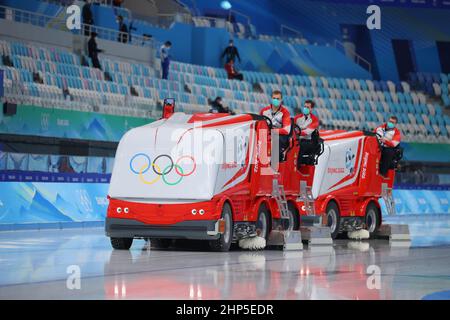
{"points": [[390, 125], [276, 102], [305, 111]]}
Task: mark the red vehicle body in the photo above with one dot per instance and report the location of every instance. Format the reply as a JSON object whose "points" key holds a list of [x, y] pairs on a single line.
{"points": [[347, 183]]}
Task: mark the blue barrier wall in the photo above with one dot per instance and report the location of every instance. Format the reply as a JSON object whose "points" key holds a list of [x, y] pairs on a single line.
{"points": [[63, 202], [204, 46], [320, 21], [35, 6], [40, 202]]}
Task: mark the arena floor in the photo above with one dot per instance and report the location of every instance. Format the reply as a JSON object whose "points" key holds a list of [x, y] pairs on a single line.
{"points": [[36, 265]]}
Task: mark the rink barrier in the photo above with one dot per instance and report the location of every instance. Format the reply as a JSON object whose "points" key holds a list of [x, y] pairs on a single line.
{"points": [[49, 177], [51, 225], [26, 205]]}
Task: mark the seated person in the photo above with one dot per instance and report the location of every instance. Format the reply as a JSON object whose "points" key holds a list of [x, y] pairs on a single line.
{"points": [[389, 137], [231, 71], [218, 107], [309, 135], [281, 120]]}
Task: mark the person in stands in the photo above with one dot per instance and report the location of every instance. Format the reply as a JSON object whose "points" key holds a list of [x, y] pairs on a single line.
{"points": [[218, 107], [123, 30], [231, 52], [281, 120], [308, 124], [93, 51], [231, 71], [165, 58], [88, 19], [389, 137]]}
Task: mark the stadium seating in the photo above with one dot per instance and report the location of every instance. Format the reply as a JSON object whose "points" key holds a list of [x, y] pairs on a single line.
{"points": [[54, 77], [434, 84]]}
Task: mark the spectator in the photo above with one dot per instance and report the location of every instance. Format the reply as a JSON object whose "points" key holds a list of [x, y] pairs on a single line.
{"points": [[93, 51], [218, 107], [88, 19], [231, 71], [231, 52], [165, 58], [123, 30]]}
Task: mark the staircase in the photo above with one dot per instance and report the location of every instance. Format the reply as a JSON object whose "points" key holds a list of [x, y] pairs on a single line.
{"points": [[307, 198], [280, 197], [386, 194]]}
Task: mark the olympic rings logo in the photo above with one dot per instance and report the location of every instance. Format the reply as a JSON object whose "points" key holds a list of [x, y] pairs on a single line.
{"points": [[161, 174]]}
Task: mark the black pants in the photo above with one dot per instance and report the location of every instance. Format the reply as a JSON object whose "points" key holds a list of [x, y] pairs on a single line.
{"points": [[87, 29], [387, 157], [96, 62], [284, 144], [238, 76], [165, 64]]}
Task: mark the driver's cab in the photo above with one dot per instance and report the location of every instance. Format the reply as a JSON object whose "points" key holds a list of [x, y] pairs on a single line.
{"points": [[397, 154]]}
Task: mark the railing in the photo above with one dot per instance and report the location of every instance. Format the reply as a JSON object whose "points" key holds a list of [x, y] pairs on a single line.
{"points": [[129, 105], [284, 27], [358, 59], [45, 21], [165, 20], [214, 21], [237, 13]]}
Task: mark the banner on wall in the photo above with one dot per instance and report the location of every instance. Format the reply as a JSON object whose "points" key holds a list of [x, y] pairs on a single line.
{"points": [[420, 202], [41, 202], [60, 123]]}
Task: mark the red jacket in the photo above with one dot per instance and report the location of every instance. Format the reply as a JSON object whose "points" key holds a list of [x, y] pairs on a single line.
{"points": [[229, 68], [307, 124], [392, 136], [281, 120]]}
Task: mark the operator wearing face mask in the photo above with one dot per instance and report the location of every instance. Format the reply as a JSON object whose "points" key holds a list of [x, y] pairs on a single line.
{"points": [[389, 137], [281, 120], [306, 121], [308, 124]]}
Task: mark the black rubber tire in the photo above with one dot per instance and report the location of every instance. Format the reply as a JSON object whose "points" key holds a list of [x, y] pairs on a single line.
{"points": [[373, 215], [333, 213], [160, 243], [263, 213], [223, 244], [292, 208], [121, 243]]}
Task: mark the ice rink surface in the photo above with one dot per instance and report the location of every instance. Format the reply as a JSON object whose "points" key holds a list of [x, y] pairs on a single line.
{"points": [[45, 264]]}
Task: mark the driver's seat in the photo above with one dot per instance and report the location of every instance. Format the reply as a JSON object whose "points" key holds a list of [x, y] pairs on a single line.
{"points": [[310, 150]]}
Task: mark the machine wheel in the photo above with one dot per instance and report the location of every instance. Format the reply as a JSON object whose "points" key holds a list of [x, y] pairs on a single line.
{"points": [[333, 219], [160, 243], [373, 219], [223, 244], [293, 217], [263, 222], [121, 243]]}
